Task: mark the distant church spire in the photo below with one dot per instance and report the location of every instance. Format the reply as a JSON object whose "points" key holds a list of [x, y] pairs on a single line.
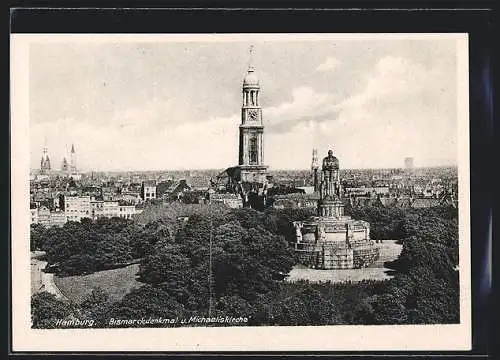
{"points": [[314, 168], [45, 161], [314, 163], [73, 158]]}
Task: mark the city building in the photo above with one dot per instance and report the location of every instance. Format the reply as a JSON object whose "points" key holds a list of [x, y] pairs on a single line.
{"points": [[79, 207], [57, 218], [76, 176], [408, 163], [295, 201], [44, 216], [76, 207], [127, 211], [230, 200], [34, 214], [129, 197], [148, 190]]}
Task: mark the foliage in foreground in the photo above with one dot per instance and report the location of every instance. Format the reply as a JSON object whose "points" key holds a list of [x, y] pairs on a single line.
{"points": [[250, 257]]}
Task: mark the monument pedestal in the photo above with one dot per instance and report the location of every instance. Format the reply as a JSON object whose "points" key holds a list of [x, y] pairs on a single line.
{"points": [[330, 207]]}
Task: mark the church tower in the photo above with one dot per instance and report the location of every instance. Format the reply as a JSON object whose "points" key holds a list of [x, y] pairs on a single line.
{"points": [[314, 168], [64, 164], [251, 144], [45, 162], [73, 158]]}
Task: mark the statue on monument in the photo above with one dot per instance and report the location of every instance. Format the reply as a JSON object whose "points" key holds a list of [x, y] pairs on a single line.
{"points": [[330, 177]]}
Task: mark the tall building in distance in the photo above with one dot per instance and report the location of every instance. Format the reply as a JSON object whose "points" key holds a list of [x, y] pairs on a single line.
{"points": [[314, 168], [64, 165], [408, 163], [45, 162], [251, 132], [73, 158]]}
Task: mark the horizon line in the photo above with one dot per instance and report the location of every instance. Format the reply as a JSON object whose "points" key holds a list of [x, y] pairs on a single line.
{"points": [[269, 170]]}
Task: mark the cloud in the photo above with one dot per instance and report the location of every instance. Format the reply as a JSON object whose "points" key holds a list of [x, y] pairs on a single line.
{"points": [[152, 115], [402, 108], [107, 147], [396, 107], [306, 105], [329, 64], [158, 134], [393, 79], [392, 82]]}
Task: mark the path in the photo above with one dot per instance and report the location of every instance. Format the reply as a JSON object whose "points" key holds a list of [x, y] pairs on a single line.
{"points": [[40, 280]]}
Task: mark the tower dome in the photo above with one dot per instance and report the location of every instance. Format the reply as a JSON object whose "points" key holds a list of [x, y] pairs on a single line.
{"points": [[251, 79]]}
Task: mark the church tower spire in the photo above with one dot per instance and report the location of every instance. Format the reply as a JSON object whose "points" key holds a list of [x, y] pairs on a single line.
{"points": [[73, 158], [314, 168], [45, 161], [251, 142], [251, 128]]}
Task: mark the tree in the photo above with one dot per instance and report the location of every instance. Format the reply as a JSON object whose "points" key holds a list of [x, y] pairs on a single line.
{"points": [[389, 310], [251, 260], [419, 253], [148, 302], [418, 297], [247, 260], [88, 246], [37, 237], [96, 307], [305, 307], [46, 310]]}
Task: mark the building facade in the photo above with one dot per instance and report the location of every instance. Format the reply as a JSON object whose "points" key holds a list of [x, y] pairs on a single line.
{"points": [[148, 190], [34, 215], [77, 207], [127, 211], [230, 200]]}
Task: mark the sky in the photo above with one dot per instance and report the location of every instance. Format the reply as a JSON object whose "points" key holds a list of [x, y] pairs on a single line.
{"points": [[163, 104]]}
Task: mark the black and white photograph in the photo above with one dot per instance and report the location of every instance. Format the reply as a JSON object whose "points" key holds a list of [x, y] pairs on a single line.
{"points": [[313, 186]]}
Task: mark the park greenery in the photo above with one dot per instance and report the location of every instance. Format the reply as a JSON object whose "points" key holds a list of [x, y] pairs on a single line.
{"points": [[201, 260]]}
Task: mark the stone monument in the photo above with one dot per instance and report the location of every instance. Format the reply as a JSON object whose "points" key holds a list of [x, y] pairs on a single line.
{"points": [[332, 240]]}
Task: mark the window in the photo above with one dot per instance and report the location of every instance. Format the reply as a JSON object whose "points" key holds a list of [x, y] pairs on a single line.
{"points": [[253, 151]]}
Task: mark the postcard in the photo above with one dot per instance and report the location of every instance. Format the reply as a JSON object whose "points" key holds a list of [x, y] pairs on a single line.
{"points": [[252, 192]]}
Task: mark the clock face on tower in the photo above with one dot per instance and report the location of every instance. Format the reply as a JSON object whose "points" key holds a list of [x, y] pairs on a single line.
{"points": [[253, 115]]}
